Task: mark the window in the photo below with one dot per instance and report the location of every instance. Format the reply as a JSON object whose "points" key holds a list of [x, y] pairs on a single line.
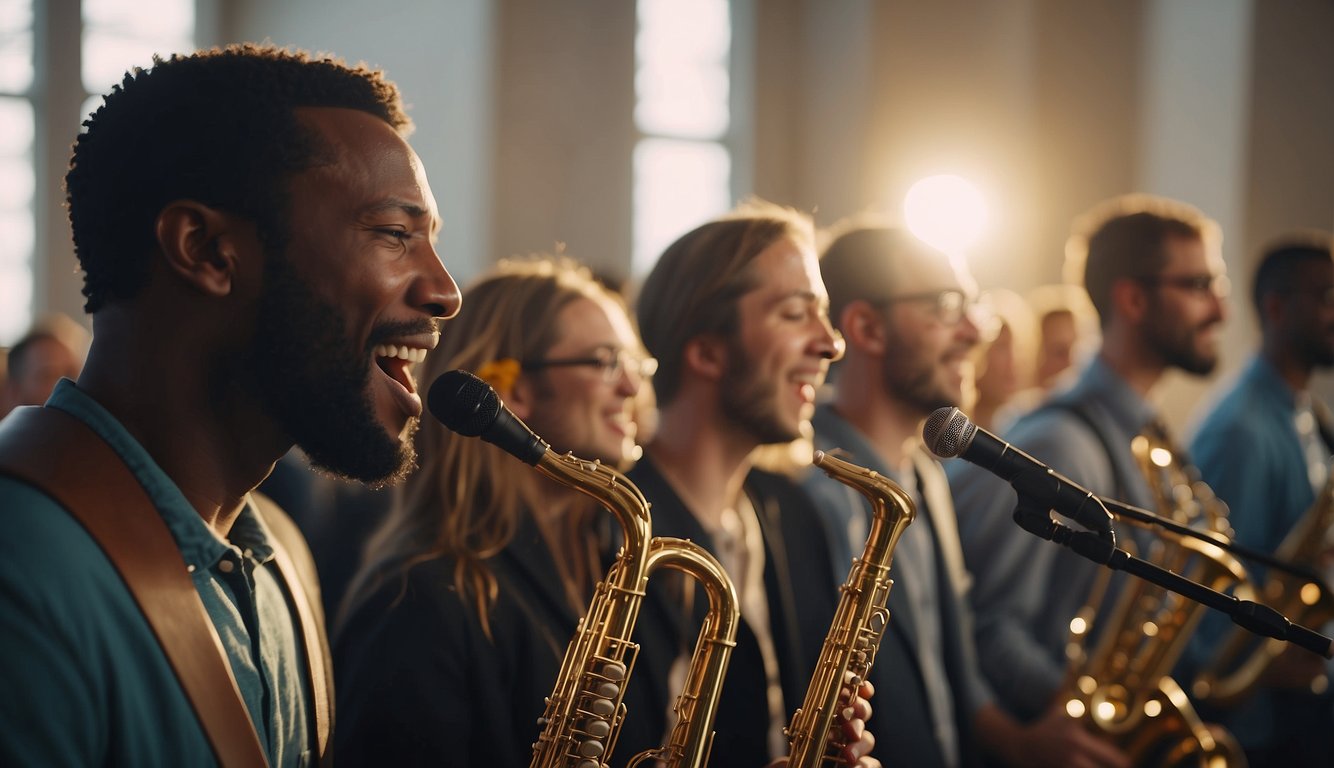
{"points": [[114, 35], [17, 174], [682, 165]]}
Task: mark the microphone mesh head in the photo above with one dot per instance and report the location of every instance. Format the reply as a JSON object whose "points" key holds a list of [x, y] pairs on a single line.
{"points": [[948, 432], [464, 403]]}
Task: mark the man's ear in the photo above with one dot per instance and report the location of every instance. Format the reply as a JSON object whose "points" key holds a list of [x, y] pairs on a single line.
{"points": [[706, 356], [1130, 299], [201, 245], [863, 327]]}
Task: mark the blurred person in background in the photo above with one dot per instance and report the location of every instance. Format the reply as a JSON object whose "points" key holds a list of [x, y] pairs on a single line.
{"points": [[54, 348], [1067, 333], [1153, 269], [1003, 361], [1264, 448]]}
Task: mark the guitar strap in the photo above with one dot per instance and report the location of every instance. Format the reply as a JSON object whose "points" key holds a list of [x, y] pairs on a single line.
{"points": [[60, 455]]}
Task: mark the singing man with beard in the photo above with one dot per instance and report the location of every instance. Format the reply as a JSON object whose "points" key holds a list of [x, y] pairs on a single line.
{"points": [[910, 317], [256, 238], [737, 317], [1264, 448], [1153, 272]]}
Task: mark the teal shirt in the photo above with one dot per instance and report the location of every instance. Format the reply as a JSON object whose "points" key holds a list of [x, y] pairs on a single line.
{"points": [[84, 680]]}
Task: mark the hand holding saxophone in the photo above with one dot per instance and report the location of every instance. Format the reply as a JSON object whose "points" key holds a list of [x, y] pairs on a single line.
{"points": [[856, 741]]}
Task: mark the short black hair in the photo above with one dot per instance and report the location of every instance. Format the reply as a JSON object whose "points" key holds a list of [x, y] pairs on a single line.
{"points": [[1279, 260], [218, 127]]}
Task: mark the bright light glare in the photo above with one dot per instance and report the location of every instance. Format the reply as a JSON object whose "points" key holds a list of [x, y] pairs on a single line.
{"points": [[678, 186], [118, 35], [946, 211]]}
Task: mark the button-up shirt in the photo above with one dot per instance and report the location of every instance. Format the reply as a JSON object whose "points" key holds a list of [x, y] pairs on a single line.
{"points": [[86, 681], [1025, 589]]}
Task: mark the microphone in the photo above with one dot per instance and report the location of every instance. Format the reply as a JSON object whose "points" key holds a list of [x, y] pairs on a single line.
{"points": [[470, 407], [948, 434]]}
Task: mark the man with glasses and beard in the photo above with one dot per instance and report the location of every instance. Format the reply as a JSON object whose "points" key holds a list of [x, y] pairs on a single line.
{"points": [[1264, 449], [736, 315], [910, 317], [256, 238], [1154, 274]]}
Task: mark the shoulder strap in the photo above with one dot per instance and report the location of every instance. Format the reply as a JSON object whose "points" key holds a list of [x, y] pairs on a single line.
{"points": [[55, 452], [1079, 411], [297, 569]]}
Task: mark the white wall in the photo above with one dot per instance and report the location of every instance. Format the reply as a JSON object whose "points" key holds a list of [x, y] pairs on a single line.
{"points": [[440, 54]]}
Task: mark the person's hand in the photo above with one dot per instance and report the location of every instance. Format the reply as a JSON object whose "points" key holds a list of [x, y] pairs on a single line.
{"points": [[1057, 740], [851, 720]]}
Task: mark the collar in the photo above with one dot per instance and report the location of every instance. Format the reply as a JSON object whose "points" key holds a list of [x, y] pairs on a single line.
{"points": [[199, 545], [1099, 383], [1265, 377]]}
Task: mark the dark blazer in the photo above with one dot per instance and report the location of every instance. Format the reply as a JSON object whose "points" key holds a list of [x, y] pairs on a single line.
{"points": [[420, 683], [901, 720], [801, 606]]}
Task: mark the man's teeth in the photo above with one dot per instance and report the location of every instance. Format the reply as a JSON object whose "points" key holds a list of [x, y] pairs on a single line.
{"points": [[411, 354]]}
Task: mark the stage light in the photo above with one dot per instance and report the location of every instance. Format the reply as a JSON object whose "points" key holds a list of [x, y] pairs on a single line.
{"points": [[946, 211]]}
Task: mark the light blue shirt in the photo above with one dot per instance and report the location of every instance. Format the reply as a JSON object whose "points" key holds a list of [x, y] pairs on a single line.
{"points": [[85, 681], [1026, 589], [916, 570], [1248, 451]]}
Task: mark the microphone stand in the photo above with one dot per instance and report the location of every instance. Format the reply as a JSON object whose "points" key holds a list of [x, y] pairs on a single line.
{"points": [[1146, 519], [1101, 549]]}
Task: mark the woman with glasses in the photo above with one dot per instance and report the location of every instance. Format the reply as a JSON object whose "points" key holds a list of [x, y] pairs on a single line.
{"points": [[454, 630]]}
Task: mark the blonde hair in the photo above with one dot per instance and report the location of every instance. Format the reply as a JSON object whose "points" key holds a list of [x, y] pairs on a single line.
{"points": [[465, 502]]}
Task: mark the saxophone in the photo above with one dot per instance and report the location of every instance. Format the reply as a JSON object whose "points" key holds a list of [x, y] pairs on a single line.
{"points": [[584, 711], [1234, 671], [692, 736], [1123, 689], [859, 622]]}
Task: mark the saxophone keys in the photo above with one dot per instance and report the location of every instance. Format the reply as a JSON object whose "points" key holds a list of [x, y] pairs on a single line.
{"points": [[591, 748]]}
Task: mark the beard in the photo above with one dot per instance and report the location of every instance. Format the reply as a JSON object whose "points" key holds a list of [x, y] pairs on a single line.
{"points": [[1174, 343], [315, 382], [750, 400], [1315, 346], [912, 380]]}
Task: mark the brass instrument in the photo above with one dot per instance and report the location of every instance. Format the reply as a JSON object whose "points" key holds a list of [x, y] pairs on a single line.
{"points": [[1123, 689], [859, 622], [1234, 671], [584, 711], [692, 736]]}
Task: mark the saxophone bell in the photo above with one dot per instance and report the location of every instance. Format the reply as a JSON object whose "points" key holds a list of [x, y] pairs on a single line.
{"points": [[1119, 685], [1235, 670]]}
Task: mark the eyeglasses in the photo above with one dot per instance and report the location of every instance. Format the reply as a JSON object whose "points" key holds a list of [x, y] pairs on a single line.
{"points": [[1217, 285], [950, 306], [611, 360]]}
